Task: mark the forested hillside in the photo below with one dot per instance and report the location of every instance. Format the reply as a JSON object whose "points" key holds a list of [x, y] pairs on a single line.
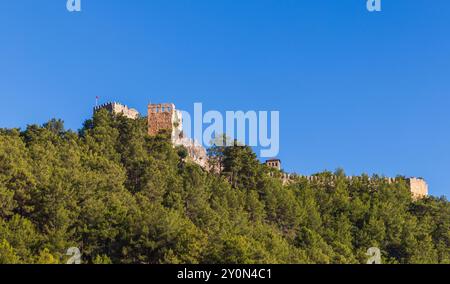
{"points": [[123, 197]]}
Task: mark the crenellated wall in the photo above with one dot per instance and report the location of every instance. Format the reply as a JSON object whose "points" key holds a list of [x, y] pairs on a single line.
{"points": [[417, 186], [117, 108]]}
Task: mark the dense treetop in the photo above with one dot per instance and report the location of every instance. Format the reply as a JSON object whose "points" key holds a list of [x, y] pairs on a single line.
{"points": [[123, 197]]}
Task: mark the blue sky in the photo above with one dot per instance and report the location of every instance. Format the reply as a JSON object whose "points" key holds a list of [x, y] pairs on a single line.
{"points": [[368, 92]]}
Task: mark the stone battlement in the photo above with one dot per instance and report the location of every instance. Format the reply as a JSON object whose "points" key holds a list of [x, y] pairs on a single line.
{"points": [[117, 108], [158, 108]]}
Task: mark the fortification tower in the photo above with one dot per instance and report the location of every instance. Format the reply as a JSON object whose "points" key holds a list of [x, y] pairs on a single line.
{"points": [[274, 163], [418, 187], [164, 117]]}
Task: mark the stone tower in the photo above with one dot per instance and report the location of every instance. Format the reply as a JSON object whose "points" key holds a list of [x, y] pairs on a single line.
{"points": [[418, 187], [164, 117], [274, 163]]}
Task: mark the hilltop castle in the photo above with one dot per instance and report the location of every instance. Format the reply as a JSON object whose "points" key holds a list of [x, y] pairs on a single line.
{"points": [[167, 117], [163, 117]]}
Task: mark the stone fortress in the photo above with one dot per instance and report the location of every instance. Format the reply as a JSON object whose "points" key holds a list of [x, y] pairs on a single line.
{"points": [[167, 117], [163, 117]]}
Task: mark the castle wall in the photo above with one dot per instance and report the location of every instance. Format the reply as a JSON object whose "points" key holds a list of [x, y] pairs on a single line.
{"points": [[116, 108], [418, 187], [127, 112]]}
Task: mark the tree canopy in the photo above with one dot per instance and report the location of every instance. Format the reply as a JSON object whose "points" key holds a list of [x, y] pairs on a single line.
{"points": [[121, 196]]}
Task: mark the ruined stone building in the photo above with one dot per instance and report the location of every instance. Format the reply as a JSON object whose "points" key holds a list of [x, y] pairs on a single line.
{"points": [[117, 108], [417, 186]]}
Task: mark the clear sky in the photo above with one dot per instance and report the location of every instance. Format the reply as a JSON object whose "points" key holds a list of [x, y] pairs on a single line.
{"points": [[368, 92]]}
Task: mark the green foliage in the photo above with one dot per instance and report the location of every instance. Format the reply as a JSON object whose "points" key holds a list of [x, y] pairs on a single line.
{"points": [[102, 259], [45, 257], [123, 197], [7, 254]]}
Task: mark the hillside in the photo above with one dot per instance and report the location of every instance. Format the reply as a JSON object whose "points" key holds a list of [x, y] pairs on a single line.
{"points": [[121, 196]]}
